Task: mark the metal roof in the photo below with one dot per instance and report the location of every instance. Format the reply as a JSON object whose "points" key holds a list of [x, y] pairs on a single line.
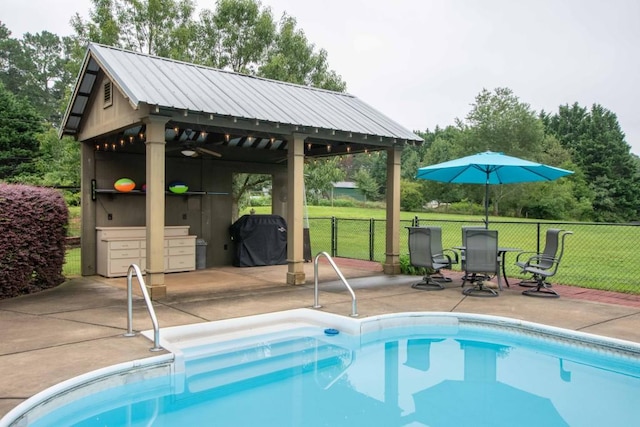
{"points": [[167, 83]]}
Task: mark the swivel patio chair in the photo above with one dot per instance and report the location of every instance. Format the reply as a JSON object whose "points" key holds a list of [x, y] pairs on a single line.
{"points": [[552, 240], [481, 262], [425, 250], [542, 267], [463, 256]]}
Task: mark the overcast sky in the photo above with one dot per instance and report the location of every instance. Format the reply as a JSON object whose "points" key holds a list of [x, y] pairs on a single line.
{"points": [[422, 62]]}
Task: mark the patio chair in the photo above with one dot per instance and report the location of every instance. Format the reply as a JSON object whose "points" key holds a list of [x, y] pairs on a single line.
{"points": [[543, 266], [464, 243], [542, 259], [425, 250], [481, 262]]}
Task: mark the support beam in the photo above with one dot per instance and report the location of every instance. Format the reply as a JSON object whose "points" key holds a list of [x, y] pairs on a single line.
{"points": [[155, 205], [295, 209], [392, 254], [88, 235]]}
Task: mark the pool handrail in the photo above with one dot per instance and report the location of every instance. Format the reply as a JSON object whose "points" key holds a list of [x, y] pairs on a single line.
{"points": [[133, 268], [354, 311]]}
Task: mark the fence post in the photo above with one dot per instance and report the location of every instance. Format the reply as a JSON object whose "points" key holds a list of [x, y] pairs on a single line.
{"points": [[538, 239], [416, 221], [372, 232], [334, 236]]}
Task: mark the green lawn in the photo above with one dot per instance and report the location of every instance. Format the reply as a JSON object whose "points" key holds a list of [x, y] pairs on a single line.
{"points": [[597, 256], [71, 265]]}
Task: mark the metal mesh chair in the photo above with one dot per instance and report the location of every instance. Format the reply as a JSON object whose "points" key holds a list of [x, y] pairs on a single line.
{"points": [[543, 266], [425, 250], [464, 244], [481, 261], [542, 259]]}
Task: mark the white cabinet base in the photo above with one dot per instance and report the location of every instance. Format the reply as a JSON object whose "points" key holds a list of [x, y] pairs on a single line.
{"points": [[119, 247]]}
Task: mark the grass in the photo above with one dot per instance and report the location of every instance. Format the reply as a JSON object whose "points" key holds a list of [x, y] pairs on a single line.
{"points": [[71, 265], [598, 256], [75, 221]]}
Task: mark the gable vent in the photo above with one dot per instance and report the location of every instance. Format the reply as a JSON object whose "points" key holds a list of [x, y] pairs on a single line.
{"points": [[108, 94]]}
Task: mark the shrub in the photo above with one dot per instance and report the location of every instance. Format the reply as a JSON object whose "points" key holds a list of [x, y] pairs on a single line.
{"points": [[33, 224], [407, 268]]}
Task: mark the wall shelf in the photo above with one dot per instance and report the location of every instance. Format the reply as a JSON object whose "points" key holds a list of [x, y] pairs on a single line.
{"points": [[95, 191], [111, 191]]}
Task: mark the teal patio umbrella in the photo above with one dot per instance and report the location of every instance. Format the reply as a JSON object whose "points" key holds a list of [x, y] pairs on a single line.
{"points": [[490, 168]]}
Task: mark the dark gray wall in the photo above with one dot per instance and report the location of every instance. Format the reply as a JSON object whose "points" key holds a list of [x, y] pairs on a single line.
{"points": [[208, 216]]}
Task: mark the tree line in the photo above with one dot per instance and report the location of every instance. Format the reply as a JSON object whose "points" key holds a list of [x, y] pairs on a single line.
{"points": [[37, 73]]}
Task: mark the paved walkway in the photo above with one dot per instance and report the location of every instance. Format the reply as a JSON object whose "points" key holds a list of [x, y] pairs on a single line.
{"points": [[77, 327]]}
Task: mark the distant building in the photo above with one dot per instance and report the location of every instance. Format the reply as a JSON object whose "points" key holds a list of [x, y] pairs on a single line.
{"points": [[347, 189]]}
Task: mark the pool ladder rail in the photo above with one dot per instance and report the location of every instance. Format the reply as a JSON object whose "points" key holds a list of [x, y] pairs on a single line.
{"points": [[133, 268], [354, 310]]}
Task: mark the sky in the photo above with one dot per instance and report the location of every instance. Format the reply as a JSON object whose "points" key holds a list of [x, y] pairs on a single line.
{"points": [[423, 62]]}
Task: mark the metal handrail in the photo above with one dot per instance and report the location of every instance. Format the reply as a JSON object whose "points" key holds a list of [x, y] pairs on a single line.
{"points": [[156, 328], [354, 311]]}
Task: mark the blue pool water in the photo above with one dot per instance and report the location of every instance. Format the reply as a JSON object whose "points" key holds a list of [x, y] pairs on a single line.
{"points": [[443, 372]]}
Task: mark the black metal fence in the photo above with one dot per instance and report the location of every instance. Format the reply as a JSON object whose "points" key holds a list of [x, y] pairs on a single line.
{"points": [[598, 255]]}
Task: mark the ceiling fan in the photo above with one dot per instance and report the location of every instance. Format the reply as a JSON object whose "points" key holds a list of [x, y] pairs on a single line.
{"points": [[189, 150], [190, 142]]}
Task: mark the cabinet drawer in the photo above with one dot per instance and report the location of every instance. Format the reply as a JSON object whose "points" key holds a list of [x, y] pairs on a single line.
{"points": [[183, 262], [119, 267], [181, 251], [123, 244], [174, 243], [125, 253]]}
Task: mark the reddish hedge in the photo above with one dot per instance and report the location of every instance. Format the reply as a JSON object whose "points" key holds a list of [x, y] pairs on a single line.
{"points": [[33, 225]]}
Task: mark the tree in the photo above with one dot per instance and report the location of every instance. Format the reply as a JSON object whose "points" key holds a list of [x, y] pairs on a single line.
{"points": [[319, 176], [499, 121], [367, 185], [45, 75], [11, 56], [242, 184], [598, 146], [19, 127], [292, 58], [411, 196], [238, 34]]}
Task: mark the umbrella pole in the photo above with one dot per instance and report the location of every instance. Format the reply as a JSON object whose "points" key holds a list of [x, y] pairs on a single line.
{"points": [[486, 203]]}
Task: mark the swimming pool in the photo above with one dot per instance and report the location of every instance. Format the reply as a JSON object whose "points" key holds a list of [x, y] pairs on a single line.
{"points": [[406, 369]]}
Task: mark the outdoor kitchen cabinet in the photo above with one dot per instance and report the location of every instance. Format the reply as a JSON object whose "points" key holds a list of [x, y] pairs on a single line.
{"points": [[119, 247]]}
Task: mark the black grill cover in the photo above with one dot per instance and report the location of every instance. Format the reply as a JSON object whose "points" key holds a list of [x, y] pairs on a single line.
{"points": [[259, 240]]}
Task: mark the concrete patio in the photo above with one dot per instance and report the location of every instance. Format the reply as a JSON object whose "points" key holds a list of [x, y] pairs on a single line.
{"points": [[78, 327]]}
